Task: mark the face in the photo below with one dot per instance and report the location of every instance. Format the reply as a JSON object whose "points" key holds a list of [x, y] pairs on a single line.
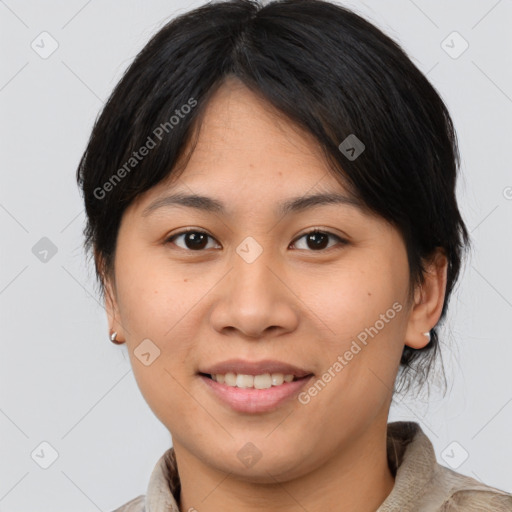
{"points": [[251, 283]]}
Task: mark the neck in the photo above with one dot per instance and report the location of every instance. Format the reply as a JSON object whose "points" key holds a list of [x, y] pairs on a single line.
{"points": [[356, 478]]}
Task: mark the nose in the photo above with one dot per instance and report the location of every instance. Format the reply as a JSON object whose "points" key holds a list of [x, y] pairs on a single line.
{"points": [[254, 299]]}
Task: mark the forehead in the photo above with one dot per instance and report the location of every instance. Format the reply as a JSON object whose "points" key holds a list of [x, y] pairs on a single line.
{"points": [[237, 123], [244, 141], [249, 159]]}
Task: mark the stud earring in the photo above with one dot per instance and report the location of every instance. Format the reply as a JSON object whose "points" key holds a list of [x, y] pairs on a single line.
{"points": [[113, 336], [427, 334]]}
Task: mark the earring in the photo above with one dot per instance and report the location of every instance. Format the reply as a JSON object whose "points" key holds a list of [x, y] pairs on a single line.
{"points": [[427, 334], [113, 336]]}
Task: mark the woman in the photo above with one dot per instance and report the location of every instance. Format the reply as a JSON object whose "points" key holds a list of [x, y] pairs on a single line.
{"points": [[270, 198]]}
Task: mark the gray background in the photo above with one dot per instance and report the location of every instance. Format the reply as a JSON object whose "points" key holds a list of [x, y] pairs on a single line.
{"points": [[64, 383]]}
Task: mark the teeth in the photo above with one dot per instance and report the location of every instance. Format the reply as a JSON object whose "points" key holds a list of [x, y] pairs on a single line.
{"points": [[264, 381]]}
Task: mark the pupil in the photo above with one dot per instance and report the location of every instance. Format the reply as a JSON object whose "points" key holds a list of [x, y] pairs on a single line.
{"points": [[317, 244], [198, 240]]}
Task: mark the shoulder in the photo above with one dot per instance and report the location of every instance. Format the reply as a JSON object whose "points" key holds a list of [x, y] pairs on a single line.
{"points": [[476, 501], [135, 505], [463, 493], [424, 485]]}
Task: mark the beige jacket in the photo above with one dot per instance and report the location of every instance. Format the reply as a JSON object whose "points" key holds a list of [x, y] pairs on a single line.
{"points": [[421, 484]]}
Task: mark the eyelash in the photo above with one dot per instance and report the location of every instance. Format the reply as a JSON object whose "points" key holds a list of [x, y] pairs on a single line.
{"points": [[342, 241]]}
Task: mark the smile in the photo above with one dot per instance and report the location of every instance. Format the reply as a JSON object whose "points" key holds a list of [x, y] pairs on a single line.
{"points": [[241, 393]]}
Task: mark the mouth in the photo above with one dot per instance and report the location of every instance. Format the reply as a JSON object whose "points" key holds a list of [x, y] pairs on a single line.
{"points": [[254, 387], [244, 370]]}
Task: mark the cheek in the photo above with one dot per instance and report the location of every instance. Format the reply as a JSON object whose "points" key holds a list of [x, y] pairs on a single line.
{"points": [[354, 299], [152, 298], [364, 313], [154, 308]]}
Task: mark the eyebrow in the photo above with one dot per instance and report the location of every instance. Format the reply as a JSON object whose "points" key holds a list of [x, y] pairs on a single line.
{"points": [[292, 205]]}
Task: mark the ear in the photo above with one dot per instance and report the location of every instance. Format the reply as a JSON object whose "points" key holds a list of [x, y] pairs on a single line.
{"points": [[428, 301], [111, 304]]}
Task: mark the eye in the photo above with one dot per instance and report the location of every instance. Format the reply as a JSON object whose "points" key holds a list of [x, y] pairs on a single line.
{"points": [[317, 239], [194, 239], [197, 240]]}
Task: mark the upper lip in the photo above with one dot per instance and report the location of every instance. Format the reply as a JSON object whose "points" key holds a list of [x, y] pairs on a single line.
{"points": [[239, 366]]}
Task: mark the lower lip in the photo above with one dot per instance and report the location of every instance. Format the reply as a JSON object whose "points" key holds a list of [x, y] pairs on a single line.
{"points": [[251, 400]]}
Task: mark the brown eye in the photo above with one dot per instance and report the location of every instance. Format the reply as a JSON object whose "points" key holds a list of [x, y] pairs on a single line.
{"points": [[197, 240], [194, 240], [318, 240]]}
